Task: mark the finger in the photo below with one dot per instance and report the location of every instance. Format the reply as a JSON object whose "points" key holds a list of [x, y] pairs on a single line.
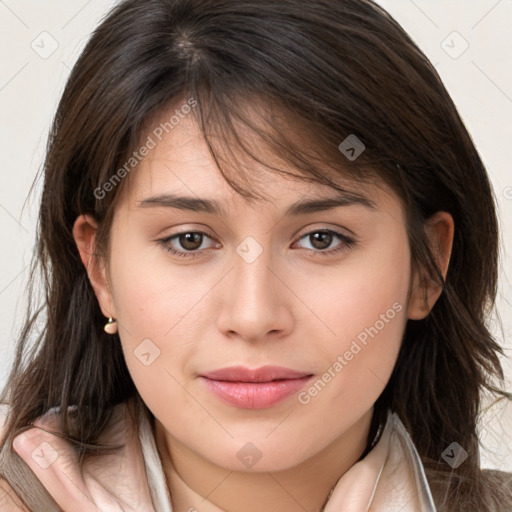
{"points": [[54, 462]]}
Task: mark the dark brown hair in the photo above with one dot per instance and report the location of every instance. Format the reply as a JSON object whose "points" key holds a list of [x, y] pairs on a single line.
{"points": [[336, 67]]}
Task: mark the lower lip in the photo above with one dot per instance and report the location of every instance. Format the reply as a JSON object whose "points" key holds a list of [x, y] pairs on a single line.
{"points": [[255, 395]]}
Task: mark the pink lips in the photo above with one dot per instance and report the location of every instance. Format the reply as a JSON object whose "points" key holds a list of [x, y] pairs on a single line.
{"points": [[255, 389]]}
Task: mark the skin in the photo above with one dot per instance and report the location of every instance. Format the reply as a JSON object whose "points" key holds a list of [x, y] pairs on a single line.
{"points": [[292, 307]]}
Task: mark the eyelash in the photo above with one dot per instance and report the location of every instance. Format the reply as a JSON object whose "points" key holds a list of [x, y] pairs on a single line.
{"points": [[347, 243]]}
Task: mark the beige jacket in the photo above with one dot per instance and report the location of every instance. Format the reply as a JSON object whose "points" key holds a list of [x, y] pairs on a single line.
{"points": [[389, 479]]}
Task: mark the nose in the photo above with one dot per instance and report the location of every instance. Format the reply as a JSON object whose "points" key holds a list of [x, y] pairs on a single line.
{"points": [[255, 301]]}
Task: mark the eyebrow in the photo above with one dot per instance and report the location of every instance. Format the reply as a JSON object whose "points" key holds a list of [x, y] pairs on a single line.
{"points": [[213, 207]]}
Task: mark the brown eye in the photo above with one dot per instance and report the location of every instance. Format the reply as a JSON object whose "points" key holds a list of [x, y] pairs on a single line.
{"points": [[190, 241], [320, 240], [186, 244]]}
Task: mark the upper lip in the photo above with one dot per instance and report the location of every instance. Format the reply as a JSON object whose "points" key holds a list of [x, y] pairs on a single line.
{"points": [[262, 374]]}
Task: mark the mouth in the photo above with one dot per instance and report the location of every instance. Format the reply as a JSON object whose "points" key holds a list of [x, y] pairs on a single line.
{"points": [[260, 388]]}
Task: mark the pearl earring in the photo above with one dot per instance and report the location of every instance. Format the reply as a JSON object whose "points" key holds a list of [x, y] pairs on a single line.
{"points": [[111, 326]]}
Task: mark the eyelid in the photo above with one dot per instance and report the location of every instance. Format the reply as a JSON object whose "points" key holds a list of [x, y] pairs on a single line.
{"points": [[341, 230], [167, 239]]}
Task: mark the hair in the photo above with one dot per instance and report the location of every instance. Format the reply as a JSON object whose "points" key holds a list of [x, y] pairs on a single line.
{"points": [[334, 68]]}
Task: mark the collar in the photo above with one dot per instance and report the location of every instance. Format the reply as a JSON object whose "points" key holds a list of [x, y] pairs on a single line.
{"points": [[389, 478]]}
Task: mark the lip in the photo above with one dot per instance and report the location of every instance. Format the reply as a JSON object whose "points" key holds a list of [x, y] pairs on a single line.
{"points": [[258, 388]]}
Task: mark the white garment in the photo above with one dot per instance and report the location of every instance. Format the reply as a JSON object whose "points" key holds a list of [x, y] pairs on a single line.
{"points": [[390, 478]]}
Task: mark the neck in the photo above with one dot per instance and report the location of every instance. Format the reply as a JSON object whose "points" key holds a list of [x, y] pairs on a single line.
{"points": [[302, 487]]}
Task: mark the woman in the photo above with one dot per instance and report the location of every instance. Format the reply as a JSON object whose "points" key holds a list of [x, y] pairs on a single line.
{"points": [[269, 248]]}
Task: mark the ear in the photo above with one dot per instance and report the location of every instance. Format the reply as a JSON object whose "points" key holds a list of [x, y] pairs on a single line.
{"points": [[425, 291], [84, 233]]}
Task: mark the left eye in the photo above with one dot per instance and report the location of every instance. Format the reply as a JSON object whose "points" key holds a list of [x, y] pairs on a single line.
{"points": [[322, 239], [191, 242]]}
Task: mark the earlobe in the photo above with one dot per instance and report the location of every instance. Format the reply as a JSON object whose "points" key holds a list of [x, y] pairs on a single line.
{"points": [[84, 233], [426, 291]]}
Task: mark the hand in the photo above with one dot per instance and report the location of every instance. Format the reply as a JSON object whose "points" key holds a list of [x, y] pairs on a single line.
{"points": [[115, 482]]}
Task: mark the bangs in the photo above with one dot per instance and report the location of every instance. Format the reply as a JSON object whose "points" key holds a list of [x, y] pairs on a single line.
{"points": [[248, 133]]}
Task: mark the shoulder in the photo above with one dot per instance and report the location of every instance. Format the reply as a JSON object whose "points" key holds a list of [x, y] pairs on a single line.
{"points": [[501, 479], [9, 500], [499, 485]]}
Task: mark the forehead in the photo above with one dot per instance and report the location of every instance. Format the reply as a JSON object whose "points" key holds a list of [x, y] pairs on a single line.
{"points": [[178, 162]]}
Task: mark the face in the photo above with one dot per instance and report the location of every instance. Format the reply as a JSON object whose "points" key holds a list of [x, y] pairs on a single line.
{"points": [[216, 282]]}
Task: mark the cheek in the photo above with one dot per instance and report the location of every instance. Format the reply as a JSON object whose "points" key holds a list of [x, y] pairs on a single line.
{"points": [[161, 320], [152, 295], [363, 310]]}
